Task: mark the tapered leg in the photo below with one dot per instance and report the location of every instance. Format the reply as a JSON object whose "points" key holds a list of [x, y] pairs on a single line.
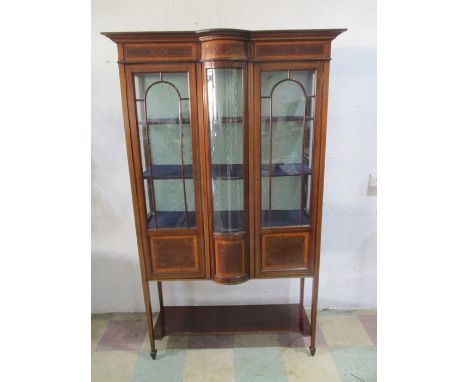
{"points": [[301, 295], [313, 315], [301, 304], [149, 317], [160, 294], [161, 307]]}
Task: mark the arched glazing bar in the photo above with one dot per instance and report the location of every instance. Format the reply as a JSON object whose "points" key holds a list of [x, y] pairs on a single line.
{"points": [[304, 157], [148, 150]]}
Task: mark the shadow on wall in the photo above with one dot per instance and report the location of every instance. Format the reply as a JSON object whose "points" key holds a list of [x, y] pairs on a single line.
{"points": [[116, 287], [113, 280]]}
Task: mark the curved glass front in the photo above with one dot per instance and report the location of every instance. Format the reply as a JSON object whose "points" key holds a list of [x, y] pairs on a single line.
{"points": [[225, 93]]}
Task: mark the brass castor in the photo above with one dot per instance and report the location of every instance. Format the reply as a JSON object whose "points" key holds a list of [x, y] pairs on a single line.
{"points": [[153, 354], [312, 351]]}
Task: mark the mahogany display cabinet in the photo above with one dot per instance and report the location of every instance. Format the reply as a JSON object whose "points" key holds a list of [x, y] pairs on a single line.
{"points": [[225, 132]]}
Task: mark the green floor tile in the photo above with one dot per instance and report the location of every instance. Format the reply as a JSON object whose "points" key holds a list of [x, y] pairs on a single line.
{"points": [[168, 367], [356, 364], [259, 365], [112, 366]]}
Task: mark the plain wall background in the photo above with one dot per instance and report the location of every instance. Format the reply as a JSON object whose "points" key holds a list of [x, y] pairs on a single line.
{"points": [[348, 262]]}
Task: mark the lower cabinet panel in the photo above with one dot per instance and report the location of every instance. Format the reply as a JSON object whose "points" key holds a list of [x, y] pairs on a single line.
{"points": [[285, 254], [175, 256], [230, 260], [282, 254]]}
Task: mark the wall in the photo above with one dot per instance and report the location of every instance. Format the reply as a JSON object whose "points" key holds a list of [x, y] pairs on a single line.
{"points": [[348, 266]]}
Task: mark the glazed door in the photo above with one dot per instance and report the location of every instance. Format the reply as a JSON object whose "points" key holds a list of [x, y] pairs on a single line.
{"points": [[163, 119], [227, 166], [285, 97]]}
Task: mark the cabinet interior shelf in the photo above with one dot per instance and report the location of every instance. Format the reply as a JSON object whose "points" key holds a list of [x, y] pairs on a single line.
{"points": [[225, 171], [229, 221]]}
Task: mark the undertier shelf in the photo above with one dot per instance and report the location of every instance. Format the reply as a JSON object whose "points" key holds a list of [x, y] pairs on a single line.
{"points": [[197, 320], [229, 221], [224, 171]]}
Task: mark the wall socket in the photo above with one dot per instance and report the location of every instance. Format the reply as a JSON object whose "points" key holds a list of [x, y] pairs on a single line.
{"points": [[372, 185]]}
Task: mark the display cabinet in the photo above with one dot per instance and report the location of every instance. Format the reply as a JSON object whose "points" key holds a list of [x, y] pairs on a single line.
{"points": [[225, 133]]}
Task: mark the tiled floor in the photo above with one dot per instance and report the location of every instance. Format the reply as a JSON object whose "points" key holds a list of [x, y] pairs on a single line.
{"points": [[346, 351]]}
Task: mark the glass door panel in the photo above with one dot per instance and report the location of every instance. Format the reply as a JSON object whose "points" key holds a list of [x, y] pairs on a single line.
{"points": [[287, 114], [163, 113], [226, 123]]}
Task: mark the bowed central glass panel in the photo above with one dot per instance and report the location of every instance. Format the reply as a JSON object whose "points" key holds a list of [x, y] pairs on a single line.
{"points": [[287, 116], [163, 108], [226, 127]]}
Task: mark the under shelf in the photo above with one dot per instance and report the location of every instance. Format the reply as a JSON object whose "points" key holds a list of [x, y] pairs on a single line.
{"points": [[224, 171], [224, 319]]}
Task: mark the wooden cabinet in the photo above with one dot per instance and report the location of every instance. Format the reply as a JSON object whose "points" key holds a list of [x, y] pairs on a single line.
{"points": [[225, 133]]}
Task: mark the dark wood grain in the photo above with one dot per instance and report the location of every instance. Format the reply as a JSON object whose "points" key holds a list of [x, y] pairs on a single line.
{"points": [[230, 259], [223, 50], [290, 247], [139, 52], [290, 267], [145, 223], [141, 240], [320, 153], [231, 319], [285, 251], [300, 50], [177, 254], [224, 44], [223, 33]]}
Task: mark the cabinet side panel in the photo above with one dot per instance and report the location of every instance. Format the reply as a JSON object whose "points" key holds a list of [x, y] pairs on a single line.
{"points": [[139, 232], [251, 161], [203, 168], [320, 181]]}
